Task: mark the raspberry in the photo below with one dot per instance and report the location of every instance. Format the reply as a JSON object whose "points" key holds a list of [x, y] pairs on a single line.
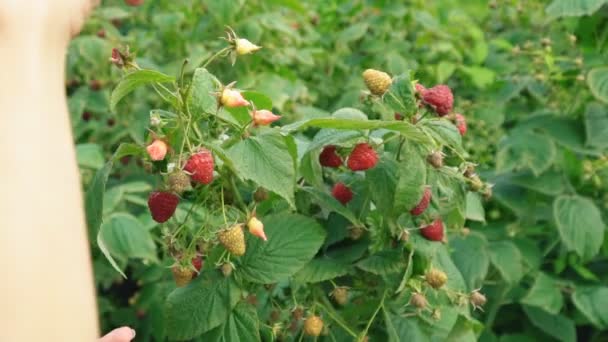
{"points": [[157, 150], [418, 300], [433, 231], [435, 158], [342, 193], [420, 88], [233, 239], [435, 278], [200, 166], [377, 81], [340, 295], [182, 275], [134, 2], [355, 233], [476, 183], [226, 269], [245, 47], [461, 123], [232, 98], [329, 157], [179, 182], [197, 262], [313, 325], [260, 195], [256, 228], [424, 202], [162, 205], [263, 117], [440, 98], [363, 157], [477, 299]]}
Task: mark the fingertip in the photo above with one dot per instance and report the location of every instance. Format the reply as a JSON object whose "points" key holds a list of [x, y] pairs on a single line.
{"points": [[123, 334]]}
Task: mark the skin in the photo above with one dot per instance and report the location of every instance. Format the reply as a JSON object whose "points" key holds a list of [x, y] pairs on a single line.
{"points": [[47, 290]]}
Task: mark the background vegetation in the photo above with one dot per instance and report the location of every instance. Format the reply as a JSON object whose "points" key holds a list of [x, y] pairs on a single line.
{"points": [[530, 76]]}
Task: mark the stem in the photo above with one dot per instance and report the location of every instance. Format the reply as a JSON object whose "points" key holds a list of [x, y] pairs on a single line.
{"points": [[237, 194], [210, 59], [371, 320], [331, 315], [401, 142]]}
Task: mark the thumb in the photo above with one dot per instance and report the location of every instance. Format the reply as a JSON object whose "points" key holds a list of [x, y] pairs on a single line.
{"points": [[124, 334]]}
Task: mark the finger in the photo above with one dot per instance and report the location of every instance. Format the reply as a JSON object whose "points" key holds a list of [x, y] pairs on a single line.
{"points": [[124, 334]]}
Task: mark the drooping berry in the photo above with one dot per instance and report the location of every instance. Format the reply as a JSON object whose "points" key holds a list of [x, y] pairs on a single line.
{"points": [[461, 123], [162, 205], [197, 262], [342, 193], [232, 98], [233, 239], [440, 98], [477, 299], [435, 278], [433, 231], [363, 157], [256, 228], [476, 183], [157, 150], [340, 295], [200, 166], [313, 325], [329, 157], [423, 203], [263, 117], [377, 81], [435, 158], [355, 233], [244, 46], [418, 300], [179, 181], [226, 269], [182, 275]]}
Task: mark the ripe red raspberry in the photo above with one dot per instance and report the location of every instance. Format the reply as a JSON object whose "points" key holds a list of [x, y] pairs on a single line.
{"points": [[197, 263], [398, 116], [200, 166], [134, 2], [342, 193], [162, 205], [440, 98], [461, 123], [329, 157], [424, 202], [363, 157], [433, 231]]}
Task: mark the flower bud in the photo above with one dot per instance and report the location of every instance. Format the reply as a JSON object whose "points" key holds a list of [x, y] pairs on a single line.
{"points": [[157, 150], [264, 117], [244, 47], [256, 227], [232, 98]]}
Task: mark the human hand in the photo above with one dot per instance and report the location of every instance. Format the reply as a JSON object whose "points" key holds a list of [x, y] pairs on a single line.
{"points": [[124, 334]]}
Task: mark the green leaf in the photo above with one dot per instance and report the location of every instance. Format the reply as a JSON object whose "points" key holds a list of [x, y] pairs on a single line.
{"points": [[108, 255], [549, 183], [125, 237], [89, 156], [545, 294], [592, 302], [480, 77], [200, 306], [412, 179], [596, 125], [400, 96], [526, 150], [597, 79], [407, 274], [470, 255], [331, 204], [382, 181], [383, 262], [508, 260], [402, 329], [474, 207], [94, 198], [202, 97], [242, 325], [311, 170], [557, 326], [293, 240], [265, 160], [444, 132], [580, 225], [573, 8], [405, 128], [133, 80], [321, 269], [352, 32]]}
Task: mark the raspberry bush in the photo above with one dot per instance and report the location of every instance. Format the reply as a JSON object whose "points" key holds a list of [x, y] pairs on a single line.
{"points": [[313, 175]]}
